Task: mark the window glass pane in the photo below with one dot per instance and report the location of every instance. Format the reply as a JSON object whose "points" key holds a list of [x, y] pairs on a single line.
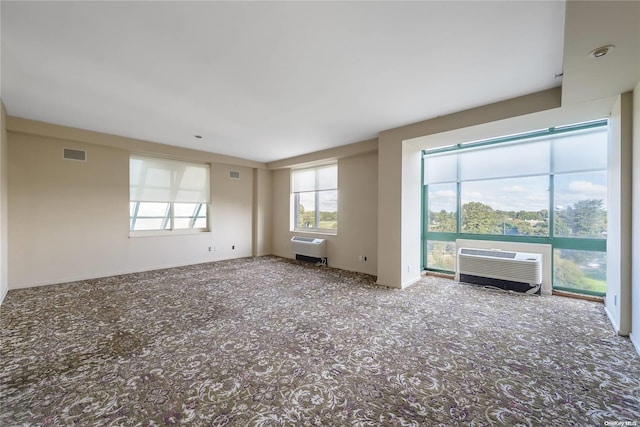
{"points": [[304, 180], [580, 205], [514, 207], [442, 168], [328, 216], [306, 210], [150, 209], [505, 160], [184, 215], [580, 270], [441, 255], [581, 151], [201, 220], [200, 223], [184, 209], [150, 224], [181, 223], [327, 178], [150, 216], [441, 203]]}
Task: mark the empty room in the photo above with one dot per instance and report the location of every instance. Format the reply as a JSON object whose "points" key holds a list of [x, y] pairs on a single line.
{"points": [[320, 213]]}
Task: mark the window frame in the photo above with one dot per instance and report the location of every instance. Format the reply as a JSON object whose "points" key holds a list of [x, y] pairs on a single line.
{"points": [[570, 243], [295, 200], [168, 219]]}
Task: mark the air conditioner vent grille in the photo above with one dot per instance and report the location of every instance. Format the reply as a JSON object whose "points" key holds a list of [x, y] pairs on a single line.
{"points": [[77, 155], [489, 253], [302, 239]]}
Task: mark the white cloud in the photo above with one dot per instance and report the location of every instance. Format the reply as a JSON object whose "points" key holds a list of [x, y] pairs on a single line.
{"points": [[514, 189], [443, 194], [593, 191]]}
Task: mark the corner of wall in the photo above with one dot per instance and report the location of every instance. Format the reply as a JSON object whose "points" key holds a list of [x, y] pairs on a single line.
{"points": [[635, 213], [4, 141], [618, 301]]}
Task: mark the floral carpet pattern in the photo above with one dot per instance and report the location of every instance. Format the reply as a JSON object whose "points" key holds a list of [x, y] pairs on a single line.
{"points": [[273, 342]]}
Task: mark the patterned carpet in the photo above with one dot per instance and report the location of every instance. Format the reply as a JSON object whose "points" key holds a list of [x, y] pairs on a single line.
{"points": [[273, 342]]}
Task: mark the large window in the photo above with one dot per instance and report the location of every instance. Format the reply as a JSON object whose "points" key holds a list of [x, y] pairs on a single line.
{"points": [[167, 195], [315, 199], [544, 187]]}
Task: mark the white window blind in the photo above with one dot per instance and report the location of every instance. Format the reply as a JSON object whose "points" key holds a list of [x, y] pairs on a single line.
{"points": [[154, 179], [316, 179]]}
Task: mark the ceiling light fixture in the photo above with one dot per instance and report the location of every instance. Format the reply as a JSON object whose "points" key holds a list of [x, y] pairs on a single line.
{"points": [[601, 51]]}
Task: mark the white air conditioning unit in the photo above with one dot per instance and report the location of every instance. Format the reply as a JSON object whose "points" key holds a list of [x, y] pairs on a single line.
{"points": [[517, 271], [309, 247]]}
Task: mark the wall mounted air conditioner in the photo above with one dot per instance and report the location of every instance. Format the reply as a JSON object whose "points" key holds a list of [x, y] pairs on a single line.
{"points": [[516, 271], [309, 247]]}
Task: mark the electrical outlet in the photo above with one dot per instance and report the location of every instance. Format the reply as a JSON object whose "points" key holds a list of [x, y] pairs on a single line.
{"points": [[233, 247], [365, 258], [360, 258], [209, 248], [615, 300]]}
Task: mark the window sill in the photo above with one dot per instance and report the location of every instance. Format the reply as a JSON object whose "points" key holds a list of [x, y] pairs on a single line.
{"points": [[314, 231], [165, 233]]}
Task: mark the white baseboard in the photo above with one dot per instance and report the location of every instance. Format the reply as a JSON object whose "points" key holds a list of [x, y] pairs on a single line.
{"points": [[410, 282], [616, 328], [635, 341]]}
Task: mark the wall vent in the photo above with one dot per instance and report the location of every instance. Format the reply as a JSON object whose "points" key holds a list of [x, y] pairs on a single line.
{"points": [[234, 174], [77, 155]]}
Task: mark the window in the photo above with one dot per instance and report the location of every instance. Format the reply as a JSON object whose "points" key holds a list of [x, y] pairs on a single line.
{"points": [[315, 199], [547, 187], [167, 195]]}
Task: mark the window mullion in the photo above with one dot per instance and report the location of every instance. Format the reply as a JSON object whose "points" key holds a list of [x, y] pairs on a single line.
{"points": [[317, 201]]}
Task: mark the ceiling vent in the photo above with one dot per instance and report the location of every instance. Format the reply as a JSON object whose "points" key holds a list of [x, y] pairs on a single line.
{"points": [[234, 174], [77, 155]]}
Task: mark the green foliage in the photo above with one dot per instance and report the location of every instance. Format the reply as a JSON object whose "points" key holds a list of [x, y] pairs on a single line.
{"points": [[328, 216], [479, 218], [566, 273], [442, 221], [441, 256], [586, 218], [583, 270], [307, 219]]}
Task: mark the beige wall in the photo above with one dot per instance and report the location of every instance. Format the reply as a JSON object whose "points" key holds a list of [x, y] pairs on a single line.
{"points": [[357, 214], [262, 209], [618, 299], [635, 251], [4, 277], [68, 220]]}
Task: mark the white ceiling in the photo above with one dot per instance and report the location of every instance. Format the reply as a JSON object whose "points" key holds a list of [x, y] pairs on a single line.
{"points": [[270, 80]]}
